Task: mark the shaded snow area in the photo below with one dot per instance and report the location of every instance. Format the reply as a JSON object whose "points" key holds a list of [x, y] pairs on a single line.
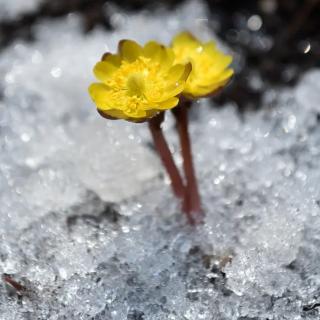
{"points": [[88, 225]]}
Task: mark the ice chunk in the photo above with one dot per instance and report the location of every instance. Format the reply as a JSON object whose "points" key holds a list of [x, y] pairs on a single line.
{"points": [[260, 265], [307, 92]]}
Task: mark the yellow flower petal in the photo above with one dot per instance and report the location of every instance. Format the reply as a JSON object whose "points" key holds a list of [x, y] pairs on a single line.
{"points": [[112, 113], [210, 47], [179, 72], [129, 50], [225, 75], [135, 113], [186, 72], [103, 70], [221, 63], [160, 53], [184, 39], [219, 78], [211, 87], [154, 50], [174, 90], [114, 59], [99, 93], [169, 104], [175, 73]]}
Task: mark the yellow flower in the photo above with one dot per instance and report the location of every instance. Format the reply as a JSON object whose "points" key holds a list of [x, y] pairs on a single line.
{"points": [[138, 82], [209, 65]]}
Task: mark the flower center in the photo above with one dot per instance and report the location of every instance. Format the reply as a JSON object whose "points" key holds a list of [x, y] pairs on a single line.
{"points": [[136, 84]]}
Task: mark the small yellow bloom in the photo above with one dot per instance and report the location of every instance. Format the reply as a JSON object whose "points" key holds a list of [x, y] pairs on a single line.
{"points": [[209, 65], [138, 82]]}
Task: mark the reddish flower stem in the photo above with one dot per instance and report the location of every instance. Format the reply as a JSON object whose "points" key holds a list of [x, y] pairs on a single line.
{"points": [[192, 202], [165, 155]]}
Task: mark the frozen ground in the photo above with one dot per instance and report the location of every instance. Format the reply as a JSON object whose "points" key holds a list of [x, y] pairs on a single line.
{"points": [[87, 222]]}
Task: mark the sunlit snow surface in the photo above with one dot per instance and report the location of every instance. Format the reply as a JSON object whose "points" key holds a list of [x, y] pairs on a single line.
{"points": [[87, 221]]}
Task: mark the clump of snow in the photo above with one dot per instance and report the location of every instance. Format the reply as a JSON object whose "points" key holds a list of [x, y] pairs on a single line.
{"points": [[88, 224], [13, 9]]}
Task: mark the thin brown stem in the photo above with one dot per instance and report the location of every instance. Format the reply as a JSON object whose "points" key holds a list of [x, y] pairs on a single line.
{"points": [[165, 155], [192, 202]]}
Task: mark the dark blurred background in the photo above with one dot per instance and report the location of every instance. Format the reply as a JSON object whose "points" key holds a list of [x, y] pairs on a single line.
{"points": [[275, 41]]}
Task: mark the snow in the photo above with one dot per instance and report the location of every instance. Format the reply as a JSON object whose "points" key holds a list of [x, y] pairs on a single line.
{"points": [[88, 223], [12, 9]]}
